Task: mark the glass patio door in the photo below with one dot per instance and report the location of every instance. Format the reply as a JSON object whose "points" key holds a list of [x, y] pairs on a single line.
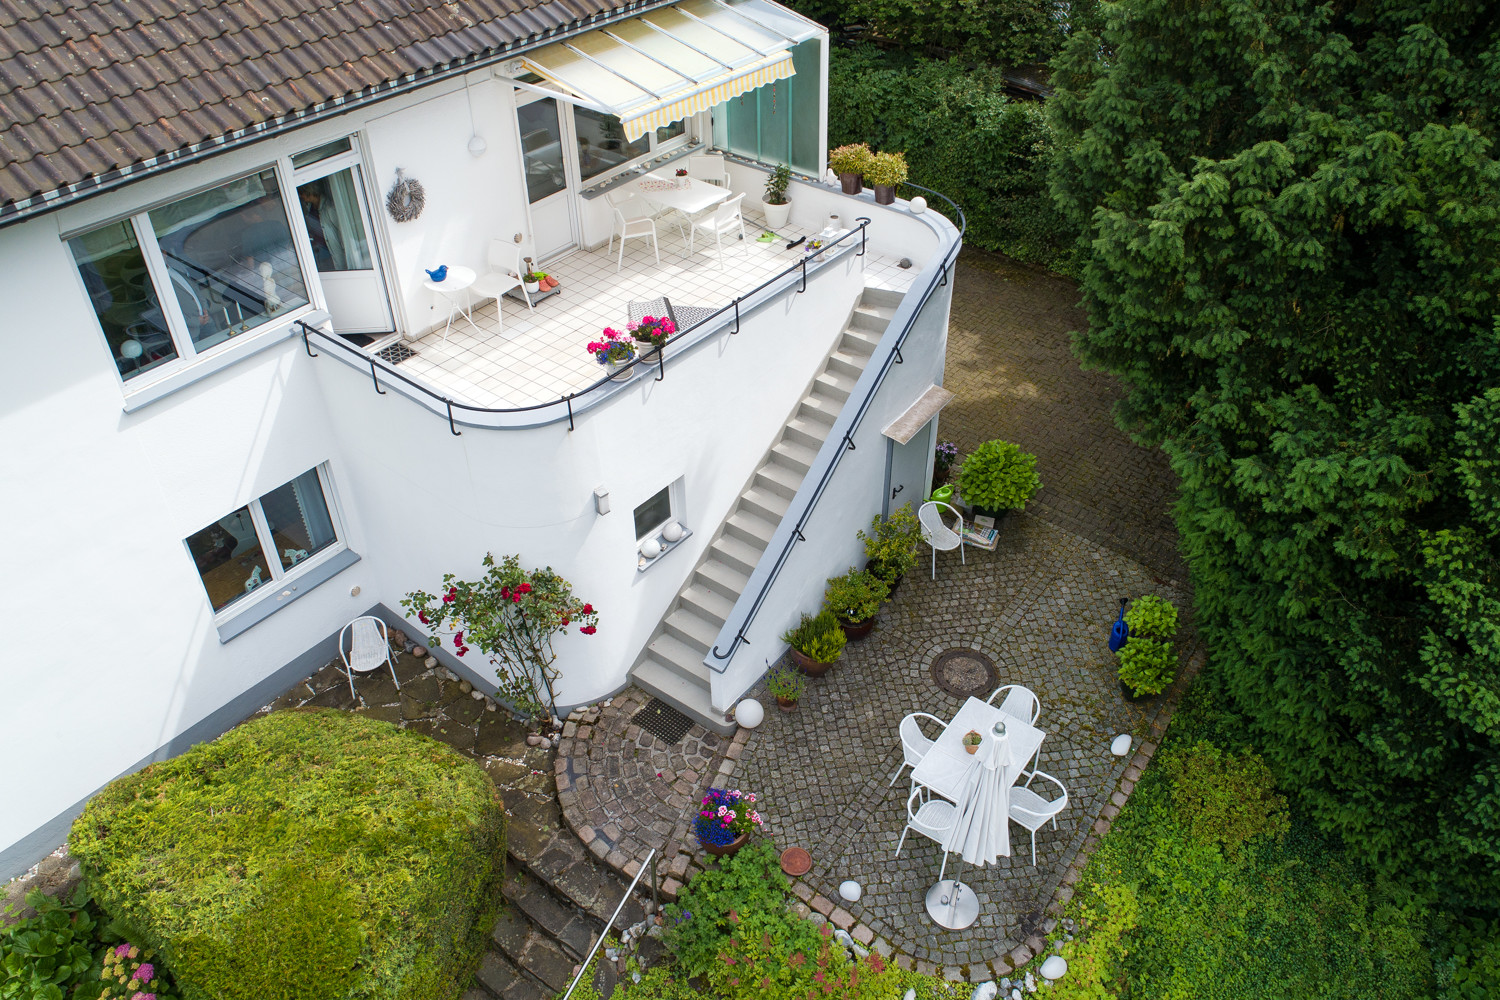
{"points": [[549, 186], [337, 221]]}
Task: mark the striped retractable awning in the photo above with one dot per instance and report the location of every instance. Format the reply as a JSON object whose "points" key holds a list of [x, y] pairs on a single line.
{"points": [[674, 61]]}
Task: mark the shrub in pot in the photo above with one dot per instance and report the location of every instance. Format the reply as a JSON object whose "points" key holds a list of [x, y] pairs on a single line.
{"points": [[850, 163], [855, 598], [306, 853], [775, 205], [786, 685], [817, 641], [1147, 660], [891, 545], [885, 173], [998, 476], [1154, 617]]}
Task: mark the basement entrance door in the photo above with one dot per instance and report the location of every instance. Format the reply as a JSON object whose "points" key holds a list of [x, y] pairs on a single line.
{"points": [[337, 220], [907, 470]]}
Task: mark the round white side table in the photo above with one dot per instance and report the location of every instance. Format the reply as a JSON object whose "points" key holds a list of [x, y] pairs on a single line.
{"points": [[455, 289]]}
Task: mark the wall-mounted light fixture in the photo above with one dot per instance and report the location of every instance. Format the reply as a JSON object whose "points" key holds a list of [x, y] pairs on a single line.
{"points": [[601, 500]]}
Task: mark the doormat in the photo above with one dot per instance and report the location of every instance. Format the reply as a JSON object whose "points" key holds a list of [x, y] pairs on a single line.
{"points": [[396, 353], [965, 672], [663, 721]]}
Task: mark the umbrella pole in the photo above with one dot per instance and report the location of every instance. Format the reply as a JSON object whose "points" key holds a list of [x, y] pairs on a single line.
{"points": [[948, 905]]}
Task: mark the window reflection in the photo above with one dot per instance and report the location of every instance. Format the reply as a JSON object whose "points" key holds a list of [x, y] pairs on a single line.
{"points": [[541, 149], [601, 142], [119, 288], [229, 558], [335, 223], [298, 518]]}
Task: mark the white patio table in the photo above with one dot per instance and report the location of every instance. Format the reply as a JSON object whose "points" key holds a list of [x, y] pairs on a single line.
{"points": [[698, 196]]}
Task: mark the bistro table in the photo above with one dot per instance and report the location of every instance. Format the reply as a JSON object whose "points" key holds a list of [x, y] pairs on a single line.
{"points": [[455, 284], [661, 188]]}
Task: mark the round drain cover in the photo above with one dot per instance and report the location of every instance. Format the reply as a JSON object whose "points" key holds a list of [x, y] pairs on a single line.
{"points": [[795, 861], [965, 672]]}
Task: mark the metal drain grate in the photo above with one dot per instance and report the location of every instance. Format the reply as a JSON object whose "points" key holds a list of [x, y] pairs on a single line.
{"points": [[396, 353], [663, 721], [965, 672]]}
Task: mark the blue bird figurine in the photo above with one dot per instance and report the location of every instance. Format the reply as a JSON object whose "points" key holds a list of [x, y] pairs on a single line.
{"points": [[1120, 632], [438, 273]]}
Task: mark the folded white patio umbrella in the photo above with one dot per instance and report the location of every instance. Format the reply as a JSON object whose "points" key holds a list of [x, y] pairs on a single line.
{"points": [[979, 836]]}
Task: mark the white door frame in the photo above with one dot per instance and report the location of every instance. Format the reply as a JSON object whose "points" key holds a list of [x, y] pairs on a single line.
{"points": [[374, 235], [569, 193]]}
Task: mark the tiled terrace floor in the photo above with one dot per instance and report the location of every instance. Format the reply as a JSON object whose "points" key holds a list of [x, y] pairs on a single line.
{"points": [[537, 357]]}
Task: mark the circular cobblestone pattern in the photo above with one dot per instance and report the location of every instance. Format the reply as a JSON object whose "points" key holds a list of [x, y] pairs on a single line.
{"points": [[965, 672]]}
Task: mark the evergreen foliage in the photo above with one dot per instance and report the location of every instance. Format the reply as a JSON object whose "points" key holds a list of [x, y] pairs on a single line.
{"points": [[1291, 254], [315, 855]]}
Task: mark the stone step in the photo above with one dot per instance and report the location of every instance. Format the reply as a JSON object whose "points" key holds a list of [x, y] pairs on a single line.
{"points": [[680, 658], [564, 922], [861, 341], [722, 579], [692, 630], [806, 431], [779, 479], [880, 300], [833, 385], [692, 700], [750, 527], [710, 604], [765, 504], [736, 553], [848, 362], [794, 455], [822, 409]]}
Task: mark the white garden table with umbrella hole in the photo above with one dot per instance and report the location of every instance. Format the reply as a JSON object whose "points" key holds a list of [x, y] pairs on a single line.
{"points": [[979, 784]]}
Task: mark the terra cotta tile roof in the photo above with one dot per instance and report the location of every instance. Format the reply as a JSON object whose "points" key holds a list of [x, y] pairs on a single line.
{"points": [[89, 90]]}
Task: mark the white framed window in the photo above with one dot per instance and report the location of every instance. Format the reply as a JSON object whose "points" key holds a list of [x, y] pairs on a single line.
{"points": [[603, 151], [174, 282], [655, 513], [274, 538]]}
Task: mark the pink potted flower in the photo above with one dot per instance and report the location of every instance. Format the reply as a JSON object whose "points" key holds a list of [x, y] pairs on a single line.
{"points": [[614, 352]]}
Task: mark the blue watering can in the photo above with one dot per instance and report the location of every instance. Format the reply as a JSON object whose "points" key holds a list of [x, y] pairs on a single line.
{"points": [[1119, 632], [439, 273]]}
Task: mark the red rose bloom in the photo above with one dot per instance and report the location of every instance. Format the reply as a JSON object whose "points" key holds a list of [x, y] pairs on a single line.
{"points": [[524, 588], [588, 609], [588, 630], [422, 617]]}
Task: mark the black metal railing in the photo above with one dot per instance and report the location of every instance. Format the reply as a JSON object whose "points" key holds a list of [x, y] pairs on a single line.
{"points": [[892, 357], [643, 358]]}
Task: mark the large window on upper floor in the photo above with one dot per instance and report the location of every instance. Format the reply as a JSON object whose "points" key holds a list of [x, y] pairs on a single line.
{"points": [[602, 146], [176, 281]]}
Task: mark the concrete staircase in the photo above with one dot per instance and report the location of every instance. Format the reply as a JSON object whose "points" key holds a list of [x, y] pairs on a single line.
{"points": [[671, 666]]}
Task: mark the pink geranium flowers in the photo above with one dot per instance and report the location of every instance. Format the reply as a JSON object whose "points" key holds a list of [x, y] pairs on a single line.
{"points": [[653, 330], [612, 347]]}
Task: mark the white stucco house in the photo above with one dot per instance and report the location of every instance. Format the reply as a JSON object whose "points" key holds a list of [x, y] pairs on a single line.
{"points": [[241, 412]]}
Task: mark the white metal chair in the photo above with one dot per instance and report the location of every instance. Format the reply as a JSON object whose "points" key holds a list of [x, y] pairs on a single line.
{"points": [[914, 745], [1032, 811], [724, 219], [1020, 702], [708, 167], [939, 535], [929, 815], [500, 278], [633, 220], [369, 648]]}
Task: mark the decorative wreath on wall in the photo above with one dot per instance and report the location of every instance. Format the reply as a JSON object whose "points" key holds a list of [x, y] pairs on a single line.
{"points": [[406, 198]]}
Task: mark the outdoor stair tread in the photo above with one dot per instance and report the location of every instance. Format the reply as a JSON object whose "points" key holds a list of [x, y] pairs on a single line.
{"points": [[496, 973], [727, 578], [677, 657], [848, 362], [707, 602], [750, 523], [783, 476], [692, 698], [810, 432], [830, 386], [796, 452], [869, 338], [544, 959], [546, 911], [737, 550], [884, 299], [692, 629]]}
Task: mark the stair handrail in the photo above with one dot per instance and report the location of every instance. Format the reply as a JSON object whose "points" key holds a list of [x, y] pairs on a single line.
{"points": [[326, 339], [719, 662], [650, 860]]}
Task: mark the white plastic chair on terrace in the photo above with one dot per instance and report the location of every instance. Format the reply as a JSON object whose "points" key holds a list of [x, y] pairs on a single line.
{"points": [[633, 220], [369, 648], [914, 745], [708, 167], [939, 535], [1020, 702], [1032, 811], [930, 816], [499, 278], [725, 219]]}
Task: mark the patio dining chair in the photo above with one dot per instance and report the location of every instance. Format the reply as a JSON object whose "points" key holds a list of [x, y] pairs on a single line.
{"points": [[723, 220], [708, 167], [1032, 811], [937, 534], [633, 220], [506, 265], [914, 744], [1020, 702], [929, 815], [369, 647]]}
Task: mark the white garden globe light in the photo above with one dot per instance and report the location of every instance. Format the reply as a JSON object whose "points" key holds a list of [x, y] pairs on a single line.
{"points": [[749, 713], [1121, 746], [672, 532], [918, 204], [1055, 967], [651, 548]]}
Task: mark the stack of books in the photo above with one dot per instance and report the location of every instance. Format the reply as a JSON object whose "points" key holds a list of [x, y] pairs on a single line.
{"points": [[981, 534]]}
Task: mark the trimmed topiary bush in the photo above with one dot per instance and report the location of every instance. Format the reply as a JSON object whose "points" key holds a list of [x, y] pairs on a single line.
{"points": [[303, 855]]}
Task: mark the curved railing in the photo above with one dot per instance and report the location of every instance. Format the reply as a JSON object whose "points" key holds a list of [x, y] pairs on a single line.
{"points": [[378, 367], [719, 662]]}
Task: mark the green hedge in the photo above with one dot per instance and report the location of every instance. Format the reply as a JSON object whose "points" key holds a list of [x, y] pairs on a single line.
{"points": [[962, 136], [303, 855]]}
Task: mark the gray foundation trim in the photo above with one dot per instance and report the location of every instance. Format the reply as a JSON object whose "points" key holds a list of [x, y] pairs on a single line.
{"points": [[16, 858], [304, 584]]}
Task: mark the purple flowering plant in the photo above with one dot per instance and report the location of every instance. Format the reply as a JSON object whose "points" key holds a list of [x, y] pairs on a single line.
{"points": [[724, 814], [942, 462], [129, 974]]}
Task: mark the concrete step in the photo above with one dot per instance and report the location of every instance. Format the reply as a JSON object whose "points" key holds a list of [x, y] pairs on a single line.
{"points": [[860, 341], [881, 300], [794, 455], [710, 604], [832, 386], [722, 579], [779, 479], [691, 630], [751, 527], [678, 657], [691, 699], [820, 409], [848, 362], [736, 553], [806, 431]]}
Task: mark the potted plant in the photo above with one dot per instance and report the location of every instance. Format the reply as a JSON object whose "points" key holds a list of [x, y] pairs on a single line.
{"points": [[885, 172], [816, 643], [943, 457], [972, 739], [652, 331], [891, 546], [775, 205], [725, 819], [614, 352], [854, 598], [996, 477], [786, 686], [1147, 660], [850, 163], [532, 278]]}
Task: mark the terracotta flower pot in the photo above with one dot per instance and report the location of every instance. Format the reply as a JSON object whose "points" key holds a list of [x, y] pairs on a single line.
{"points": [[971, 747], [808, 665], [852, 183], [857, 630], [726, 850], [785, 704]]}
